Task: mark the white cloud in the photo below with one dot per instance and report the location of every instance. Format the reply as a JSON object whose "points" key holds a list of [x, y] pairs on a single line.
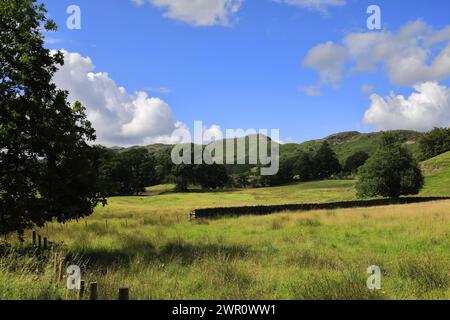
{"points": [[318, 5], [197, 12], [367, 88], [311, 91], [416, 53], [329, 59], [138, 2], [213, 133], [424, 109], [120, 118], [159, 90]]}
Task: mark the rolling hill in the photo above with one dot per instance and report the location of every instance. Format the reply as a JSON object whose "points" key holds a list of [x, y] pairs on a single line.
{"points": [[344, 144], [347, 143], [437, 175]]}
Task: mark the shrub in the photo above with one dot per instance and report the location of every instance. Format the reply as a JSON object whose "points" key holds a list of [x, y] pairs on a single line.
{"points": [[390, 172]]}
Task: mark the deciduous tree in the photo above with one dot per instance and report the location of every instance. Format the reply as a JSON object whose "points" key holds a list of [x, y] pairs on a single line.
{"points": [[48, 170]]}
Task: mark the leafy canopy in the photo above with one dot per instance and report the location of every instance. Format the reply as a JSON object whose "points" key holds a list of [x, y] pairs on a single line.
{"points": [[390, 172], [434, 143], [355, 161], [47, 168]]}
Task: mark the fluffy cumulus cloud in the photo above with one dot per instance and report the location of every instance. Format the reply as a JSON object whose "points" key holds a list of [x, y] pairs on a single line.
{"points": [[414, 54], [426, 108], [328, 58], [197, 12], [417, 56], [319, 5], [120, 118]]}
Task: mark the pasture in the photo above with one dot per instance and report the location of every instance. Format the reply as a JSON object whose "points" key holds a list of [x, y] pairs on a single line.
{"points": [[147, 244]]}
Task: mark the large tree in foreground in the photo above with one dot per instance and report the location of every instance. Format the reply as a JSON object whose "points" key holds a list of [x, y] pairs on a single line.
{"points": [[47, 169], [391, 172]]}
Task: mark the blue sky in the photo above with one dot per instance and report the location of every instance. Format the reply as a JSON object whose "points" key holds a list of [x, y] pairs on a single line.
{"points": [[249, 71]]}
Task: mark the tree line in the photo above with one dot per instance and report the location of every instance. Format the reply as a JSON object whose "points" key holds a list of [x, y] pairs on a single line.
{"points": [[131, 171]]}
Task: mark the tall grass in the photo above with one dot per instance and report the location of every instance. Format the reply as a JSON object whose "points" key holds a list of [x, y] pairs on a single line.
{"points": [[160, 254]]}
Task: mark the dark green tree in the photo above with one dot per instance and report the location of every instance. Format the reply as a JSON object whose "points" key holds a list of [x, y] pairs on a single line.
{"points": [[285, 174], [183, 176], [47, 168], [391, 172], [134, 171], [434, 143], [109, 161], [210, 176], [303, 167], [163, 167], [355, 161], [241, 180], [326, 162]]}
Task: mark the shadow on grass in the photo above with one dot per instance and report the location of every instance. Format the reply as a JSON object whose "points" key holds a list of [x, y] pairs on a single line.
{"points": [[172, 252], [188, 253], [265, 210]]}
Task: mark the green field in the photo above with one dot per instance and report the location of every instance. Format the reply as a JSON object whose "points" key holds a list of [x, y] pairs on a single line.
{"points": [[147, 244]]}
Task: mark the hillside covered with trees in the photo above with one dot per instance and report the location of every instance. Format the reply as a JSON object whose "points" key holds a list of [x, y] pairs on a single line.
{"points": [[340, 155]]}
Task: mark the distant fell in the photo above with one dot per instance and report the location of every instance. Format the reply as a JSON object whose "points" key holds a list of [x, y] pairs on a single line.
{"points": [[343, 143]]}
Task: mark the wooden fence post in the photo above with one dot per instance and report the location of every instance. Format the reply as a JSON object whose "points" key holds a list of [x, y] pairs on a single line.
{"points": [[45, 243], [39, 242], [61, 268], [81, 290], [93, 291], [56, 266], [34, 238], [124, 294]]}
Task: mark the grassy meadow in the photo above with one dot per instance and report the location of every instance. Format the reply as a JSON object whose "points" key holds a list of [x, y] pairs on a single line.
{"points": [[148, 244]]}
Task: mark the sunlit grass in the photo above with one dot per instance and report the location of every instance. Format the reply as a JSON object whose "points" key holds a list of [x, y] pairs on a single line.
{"points": [[149, 245]]}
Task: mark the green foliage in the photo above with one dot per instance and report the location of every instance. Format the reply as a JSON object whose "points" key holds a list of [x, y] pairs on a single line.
{"points": [[303, 167], [183, 175], [285, 174], [127, 173], [355, 161], [390, 172], [325, 162], [347, 143], [151, 247], [48, 171], [434, 143], [213, 176], [135, 171]]}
